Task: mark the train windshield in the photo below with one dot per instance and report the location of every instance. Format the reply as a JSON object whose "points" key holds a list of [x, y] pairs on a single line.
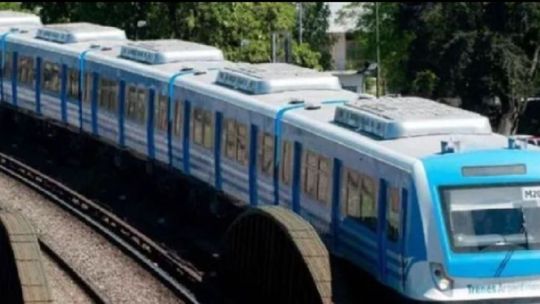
{"points": [[493, 218]]}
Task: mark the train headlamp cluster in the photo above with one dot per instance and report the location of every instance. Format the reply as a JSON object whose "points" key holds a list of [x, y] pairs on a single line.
{"points": [[441, 280]]}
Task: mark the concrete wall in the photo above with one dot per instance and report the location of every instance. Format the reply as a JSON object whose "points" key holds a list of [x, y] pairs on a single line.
{"points": [[339, 51]]}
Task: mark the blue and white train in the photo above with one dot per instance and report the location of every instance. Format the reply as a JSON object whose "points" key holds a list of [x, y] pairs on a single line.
{"points": [[423, 196]]}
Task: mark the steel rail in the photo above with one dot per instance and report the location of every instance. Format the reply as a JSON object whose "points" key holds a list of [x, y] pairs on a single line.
{"points": [[179, 275], [83, 282]]}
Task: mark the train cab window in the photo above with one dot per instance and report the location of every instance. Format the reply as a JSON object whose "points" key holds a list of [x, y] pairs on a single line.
{"points": [[316, 177], [108, 95], [51, 77], [359, 198], [25, 71], [202, 128], [266, 154], [286, 162], [8, 66], [393, 213], [136, 104], [161, 115], [236, 141], [73, 85]]}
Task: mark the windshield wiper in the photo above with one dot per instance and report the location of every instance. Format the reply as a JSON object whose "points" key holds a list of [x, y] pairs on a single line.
{"points": [[510, 252], [524, 228]]}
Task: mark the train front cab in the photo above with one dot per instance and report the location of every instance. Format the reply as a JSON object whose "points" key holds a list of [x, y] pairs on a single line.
{"points": [[481, 219]]}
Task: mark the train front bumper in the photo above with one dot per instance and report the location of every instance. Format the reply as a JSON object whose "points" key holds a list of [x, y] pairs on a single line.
{"points": [[422, 285]]}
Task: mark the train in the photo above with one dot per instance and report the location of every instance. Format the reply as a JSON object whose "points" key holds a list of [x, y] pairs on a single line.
{"points": [[423, 196]]}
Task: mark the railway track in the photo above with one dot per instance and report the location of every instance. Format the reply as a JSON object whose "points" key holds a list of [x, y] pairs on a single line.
{"points": [[84, 283], [176, 273]]}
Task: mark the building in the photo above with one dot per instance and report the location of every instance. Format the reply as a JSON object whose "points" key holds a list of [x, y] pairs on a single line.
{"points": [[346, 54]]}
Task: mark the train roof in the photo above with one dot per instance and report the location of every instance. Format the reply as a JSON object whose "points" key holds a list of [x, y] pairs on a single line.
{"points": [[107, 45], [14, 19], [412, 134], [401, 130], [169, 51], [268, 78], [79, 32], [390, 118]]}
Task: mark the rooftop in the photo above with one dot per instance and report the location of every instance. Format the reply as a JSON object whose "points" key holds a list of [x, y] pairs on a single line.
{"points": [[79, 32], [9, 18], [170, 50], [268, 78], [396, 117]]}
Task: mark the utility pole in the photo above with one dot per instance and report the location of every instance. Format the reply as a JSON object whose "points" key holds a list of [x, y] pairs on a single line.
{"points": [[300, 21], [274, 47], [378, 83]]}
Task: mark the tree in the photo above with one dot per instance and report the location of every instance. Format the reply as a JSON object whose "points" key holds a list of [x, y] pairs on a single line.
{"points": [[13, 6], [315, 26], [425, 82], [241, 29], [394, 41], [479, 51]]}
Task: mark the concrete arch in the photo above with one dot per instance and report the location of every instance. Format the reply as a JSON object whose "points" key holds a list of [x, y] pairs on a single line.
{"points": [[276, 256]]}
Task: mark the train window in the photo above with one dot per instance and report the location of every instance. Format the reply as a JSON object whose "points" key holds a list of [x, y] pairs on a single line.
{"points": [[286, 162], [208, 130], [317, 177], [267, 154], [359, 198], [230, 140], [25, 71], [136, 104], [73, 85], [236, 141], [393, 214], [8, 65], [323, 185], [108, 95], [88, 86], [51, 77], [202, 127], [352, 195], [197, 126], [178, 118], [161, 115]]}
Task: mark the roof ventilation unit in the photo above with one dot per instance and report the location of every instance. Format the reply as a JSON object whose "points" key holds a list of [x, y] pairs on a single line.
{"points": [[79, 32], [11, 18], [390, 118], [267, 78], [169, 51]]}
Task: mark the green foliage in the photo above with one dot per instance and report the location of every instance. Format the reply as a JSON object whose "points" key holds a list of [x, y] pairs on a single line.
{"points": [[474, 51], [315, 24], [425, 82], [303, 55], [394, 41], [479, 51], [241, 29], [13, 6]]}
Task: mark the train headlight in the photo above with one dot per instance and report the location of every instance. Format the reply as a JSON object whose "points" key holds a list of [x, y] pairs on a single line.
{"points": [[441, 280]]}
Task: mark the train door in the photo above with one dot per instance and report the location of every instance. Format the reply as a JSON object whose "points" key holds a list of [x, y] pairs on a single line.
{"points": [[392, 211]]}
